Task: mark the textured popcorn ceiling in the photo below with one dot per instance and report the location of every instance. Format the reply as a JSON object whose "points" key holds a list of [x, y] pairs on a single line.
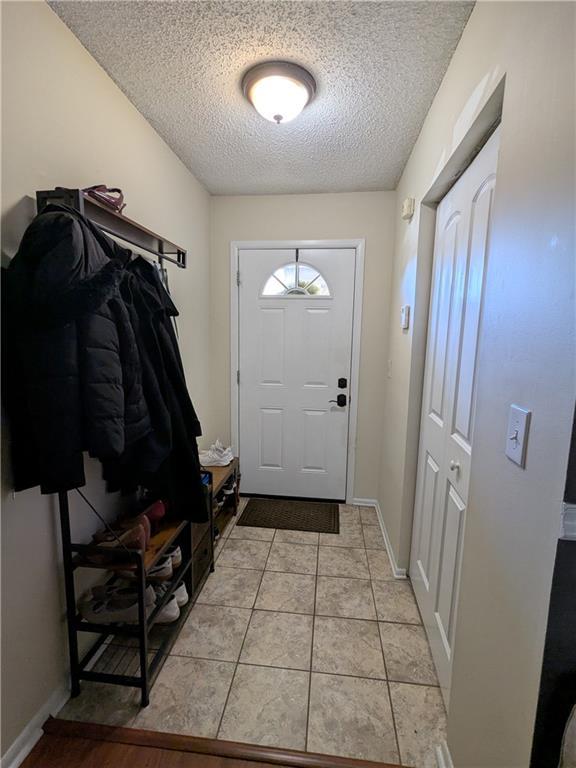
{"points": [[377, 65]]}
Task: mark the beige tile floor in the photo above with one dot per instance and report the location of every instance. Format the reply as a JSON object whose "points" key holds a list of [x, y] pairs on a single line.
{"points": [[298, 640]]}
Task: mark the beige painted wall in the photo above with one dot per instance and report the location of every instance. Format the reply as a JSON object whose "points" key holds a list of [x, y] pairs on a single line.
{"points": [[526, 356], [64, 122], [369, 215], [51, 90]]}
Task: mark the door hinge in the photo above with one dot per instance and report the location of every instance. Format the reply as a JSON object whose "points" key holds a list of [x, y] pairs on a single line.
{"points": [[238, 277], [237, 377]]}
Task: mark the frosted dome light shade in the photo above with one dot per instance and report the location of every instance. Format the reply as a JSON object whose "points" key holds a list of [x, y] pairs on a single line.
{"points": [[278, 99], [279, 90]]}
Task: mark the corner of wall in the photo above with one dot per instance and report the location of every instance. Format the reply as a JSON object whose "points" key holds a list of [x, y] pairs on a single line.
{"points": [[399, 573]]}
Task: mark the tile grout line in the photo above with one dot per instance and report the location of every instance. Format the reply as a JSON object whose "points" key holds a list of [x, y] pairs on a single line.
{"points": [[303, 613], [307, 573], [243, 639], [365, 548], [306, 543], [302, 573], [323, 672], [301, 669], [314, 615], [383, 658], [312, 650], [387, 681], [319, 672]]}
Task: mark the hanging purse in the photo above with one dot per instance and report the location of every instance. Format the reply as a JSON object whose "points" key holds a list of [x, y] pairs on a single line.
{"points": [[111, 197]]}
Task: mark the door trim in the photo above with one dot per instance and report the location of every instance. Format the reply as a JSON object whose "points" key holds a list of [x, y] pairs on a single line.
{"points": [[433, 623], [359, 245]]}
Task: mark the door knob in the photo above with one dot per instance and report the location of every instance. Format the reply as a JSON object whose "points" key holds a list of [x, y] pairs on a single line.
{"points": [[454, 466], [340, 400]]}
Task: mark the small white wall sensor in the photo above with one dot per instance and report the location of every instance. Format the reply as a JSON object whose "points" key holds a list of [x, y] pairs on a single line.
{"points": [[405, 317], [408, 208]]}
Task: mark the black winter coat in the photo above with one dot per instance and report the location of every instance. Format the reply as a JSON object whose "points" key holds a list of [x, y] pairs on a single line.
{"points": [[74, 380], [166, 460]]}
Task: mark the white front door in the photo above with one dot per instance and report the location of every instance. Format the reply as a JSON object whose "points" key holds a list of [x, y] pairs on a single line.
{"points": [[447, 425], [295, 344]]}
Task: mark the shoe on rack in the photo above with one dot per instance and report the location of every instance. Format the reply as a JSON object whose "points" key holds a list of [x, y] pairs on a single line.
{"points": [[133, 537], [122, 591], [155, 512], [175, 553], [113, 611], [170, 612], [216, 456], [117, 540], [180, 593], [162, 571], [125, 523]]}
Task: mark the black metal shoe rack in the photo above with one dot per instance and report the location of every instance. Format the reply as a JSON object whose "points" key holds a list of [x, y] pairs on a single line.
{"points": [[196, 541], [197, 562]]}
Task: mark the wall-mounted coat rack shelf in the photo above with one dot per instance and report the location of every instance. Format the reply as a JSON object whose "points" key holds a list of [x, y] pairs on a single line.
{"points": [[195, 540], [113, 223]]}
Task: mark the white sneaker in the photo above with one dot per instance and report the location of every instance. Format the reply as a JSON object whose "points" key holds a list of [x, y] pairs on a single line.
{"points": [[216, 456], [122, 592], [162, 571], [181, 593], [170, 612], [175, 553]]}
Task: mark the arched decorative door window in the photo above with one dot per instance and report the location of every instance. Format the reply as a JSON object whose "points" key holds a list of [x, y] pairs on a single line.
{"points": [[296, 279]]}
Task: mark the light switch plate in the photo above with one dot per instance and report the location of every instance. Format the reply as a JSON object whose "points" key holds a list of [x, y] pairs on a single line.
{"points": [[517, 435]]}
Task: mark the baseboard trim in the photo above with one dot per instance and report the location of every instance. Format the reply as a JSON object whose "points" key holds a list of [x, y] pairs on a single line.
{"points": [[443, 756], [399, 573], [31, 734]]}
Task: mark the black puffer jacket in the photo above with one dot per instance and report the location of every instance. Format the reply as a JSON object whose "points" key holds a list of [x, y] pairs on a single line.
{"points": [[179, 477], [165, 461], [74, 380]]}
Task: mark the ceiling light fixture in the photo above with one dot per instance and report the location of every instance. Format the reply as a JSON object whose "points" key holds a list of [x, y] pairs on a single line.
{"points": [[278, 90]]}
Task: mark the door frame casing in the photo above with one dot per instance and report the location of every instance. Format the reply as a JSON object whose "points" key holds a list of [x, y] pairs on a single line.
{"points": [[445, 176], [443, 647], [358, 244]]}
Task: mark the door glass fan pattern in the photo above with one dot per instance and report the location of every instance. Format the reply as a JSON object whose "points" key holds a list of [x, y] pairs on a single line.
{"points": [[296, 279]]}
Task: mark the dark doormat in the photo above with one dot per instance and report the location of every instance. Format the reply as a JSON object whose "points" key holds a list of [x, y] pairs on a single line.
{"points": [[292, 515]]}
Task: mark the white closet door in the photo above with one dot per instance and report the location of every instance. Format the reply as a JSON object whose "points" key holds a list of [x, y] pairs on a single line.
{"points": [[447, 426], [294, 348]]}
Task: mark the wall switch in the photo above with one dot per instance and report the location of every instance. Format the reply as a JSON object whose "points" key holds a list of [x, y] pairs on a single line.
{"points": [[517, 435], [389, 369], [405, 317]]}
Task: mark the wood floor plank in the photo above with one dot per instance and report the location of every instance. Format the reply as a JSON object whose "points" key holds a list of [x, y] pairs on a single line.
{"points": [[69, 744], [73, 752]]}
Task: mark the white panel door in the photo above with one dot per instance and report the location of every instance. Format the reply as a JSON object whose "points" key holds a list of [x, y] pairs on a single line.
{"points": [[447, 426], [295, 343]]}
